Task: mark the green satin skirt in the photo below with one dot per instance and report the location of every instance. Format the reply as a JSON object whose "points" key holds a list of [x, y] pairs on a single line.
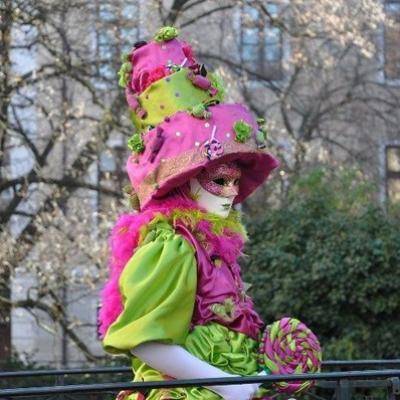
{"points": [[227, 350]]}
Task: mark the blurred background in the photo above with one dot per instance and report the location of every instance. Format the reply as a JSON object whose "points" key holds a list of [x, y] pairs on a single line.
{"points": [[324, 232]]}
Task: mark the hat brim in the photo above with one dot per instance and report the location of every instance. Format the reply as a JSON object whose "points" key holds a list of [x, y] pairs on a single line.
{"points": [[181, 146], [256, 166]]}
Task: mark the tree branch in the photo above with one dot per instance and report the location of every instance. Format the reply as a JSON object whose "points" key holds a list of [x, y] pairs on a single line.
{"points": [[66, 181], [206, 14], [57, 314]]}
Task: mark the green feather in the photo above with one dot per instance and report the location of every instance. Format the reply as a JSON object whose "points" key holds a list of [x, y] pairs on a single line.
{"points": [[165, 34], [135, 143], [243, 131]]}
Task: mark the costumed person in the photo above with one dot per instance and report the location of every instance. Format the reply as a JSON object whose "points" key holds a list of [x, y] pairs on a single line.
{"points": [[175, 300]]}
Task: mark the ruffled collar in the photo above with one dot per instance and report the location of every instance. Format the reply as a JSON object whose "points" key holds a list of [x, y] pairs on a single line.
{"points": [[195, 218]]}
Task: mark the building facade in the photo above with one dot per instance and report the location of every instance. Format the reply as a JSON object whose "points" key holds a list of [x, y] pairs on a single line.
{"points": [[324, 101]]}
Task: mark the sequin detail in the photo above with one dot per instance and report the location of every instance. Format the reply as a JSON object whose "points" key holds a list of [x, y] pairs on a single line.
{"points": [[221, 180]]}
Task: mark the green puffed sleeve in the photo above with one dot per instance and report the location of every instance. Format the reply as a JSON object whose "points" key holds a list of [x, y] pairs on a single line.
{"points": [[158, 287]]}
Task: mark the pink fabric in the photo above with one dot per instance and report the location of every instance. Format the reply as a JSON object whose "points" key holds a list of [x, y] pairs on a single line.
{"points": [[148, 77], [150, 62], [183, 132], [215, 284], [189, 54]]}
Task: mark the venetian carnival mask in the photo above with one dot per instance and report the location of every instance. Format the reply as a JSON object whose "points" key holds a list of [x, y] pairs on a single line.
{"points": [[216, 187]]}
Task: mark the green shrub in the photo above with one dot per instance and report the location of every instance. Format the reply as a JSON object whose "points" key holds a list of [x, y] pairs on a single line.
{"points": [[331, 258]]}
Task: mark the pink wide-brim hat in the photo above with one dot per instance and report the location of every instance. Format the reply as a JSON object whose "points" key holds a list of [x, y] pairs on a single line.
{"points": [[181, 146]]}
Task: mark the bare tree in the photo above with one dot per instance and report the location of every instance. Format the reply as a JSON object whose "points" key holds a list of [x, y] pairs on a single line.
{"points": [[64, 116], [59, 107], [315, 70], [312, 68]]}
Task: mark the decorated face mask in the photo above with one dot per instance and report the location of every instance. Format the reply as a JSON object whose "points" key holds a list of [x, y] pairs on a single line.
{"points": [[216, 187]]}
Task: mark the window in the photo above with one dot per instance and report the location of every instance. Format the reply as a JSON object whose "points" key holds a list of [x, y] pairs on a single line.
{"points": [[105, 55], [106, 12], [392, 153], [115, 33], [111, 162], [261, 42], [129, 36], [391, 37], [107, 162]]}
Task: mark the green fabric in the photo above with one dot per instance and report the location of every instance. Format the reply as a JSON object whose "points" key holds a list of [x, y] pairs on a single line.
{"points": [[228, 350], [144, 373], [158, 287], [190, 218], [231, 351], [166, 97]]}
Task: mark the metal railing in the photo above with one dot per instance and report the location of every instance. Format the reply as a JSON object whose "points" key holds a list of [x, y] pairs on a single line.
{"points": [[340, 385], [348, 364]]}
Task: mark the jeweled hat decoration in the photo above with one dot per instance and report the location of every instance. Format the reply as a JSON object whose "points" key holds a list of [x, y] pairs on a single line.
{"points": [[181, 124]]}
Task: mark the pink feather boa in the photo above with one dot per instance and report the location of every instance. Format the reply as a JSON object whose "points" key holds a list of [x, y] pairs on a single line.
{"points": [[124, 239]]}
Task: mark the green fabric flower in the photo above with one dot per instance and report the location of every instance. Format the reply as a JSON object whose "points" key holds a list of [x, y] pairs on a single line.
{"points": [[262, 126], [260, 139], [165, 34], [226, 310], [135, 143], [262, 133], [242, 130], [200, 111], [174, 67], [124, 71], [218, 83]]}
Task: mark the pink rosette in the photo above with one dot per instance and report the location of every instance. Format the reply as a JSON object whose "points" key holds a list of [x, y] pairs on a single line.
{"points": [[289, 347], [149, 76]]}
